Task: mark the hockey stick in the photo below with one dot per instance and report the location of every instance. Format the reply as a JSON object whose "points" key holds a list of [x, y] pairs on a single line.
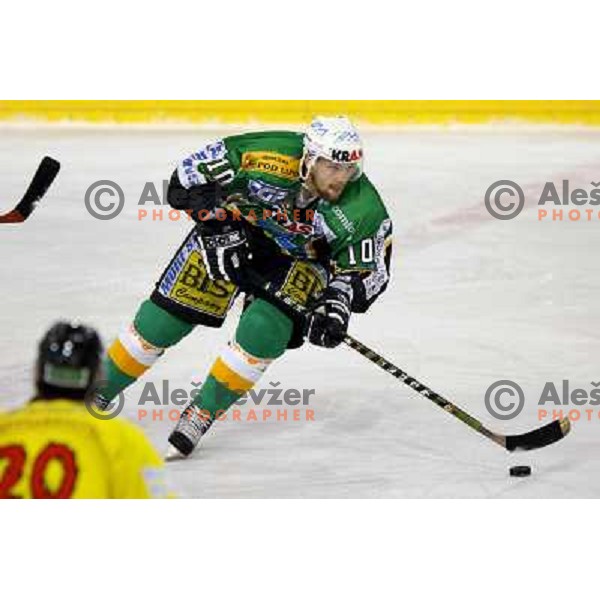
{"points": [[43, 178], [531, 440]]}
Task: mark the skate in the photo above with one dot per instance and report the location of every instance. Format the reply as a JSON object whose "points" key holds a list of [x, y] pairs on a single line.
{"points": [[185, 437]]}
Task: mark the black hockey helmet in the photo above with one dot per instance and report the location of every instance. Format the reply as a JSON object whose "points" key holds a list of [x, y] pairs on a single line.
{"points": [[68, 362]]}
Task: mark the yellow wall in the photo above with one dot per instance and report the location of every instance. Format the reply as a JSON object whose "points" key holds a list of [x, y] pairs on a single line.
{"points": [[380, 112]]}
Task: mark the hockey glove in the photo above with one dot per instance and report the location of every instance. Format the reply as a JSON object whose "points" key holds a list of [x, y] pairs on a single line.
{"points": [[331, 315], [224, 248], [205, 197]]}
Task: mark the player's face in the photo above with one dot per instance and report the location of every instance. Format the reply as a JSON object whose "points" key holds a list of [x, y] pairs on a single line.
{"points": [[329, 178]]}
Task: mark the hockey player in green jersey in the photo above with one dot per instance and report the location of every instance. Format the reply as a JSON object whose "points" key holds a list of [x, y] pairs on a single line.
{"points": [[295, 210]]}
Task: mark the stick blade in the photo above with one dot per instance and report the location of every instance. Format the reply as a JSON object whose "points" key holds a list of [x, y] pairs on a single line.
{"points": [[42, 180], [44, 176], [538, 438], [14, 216]]}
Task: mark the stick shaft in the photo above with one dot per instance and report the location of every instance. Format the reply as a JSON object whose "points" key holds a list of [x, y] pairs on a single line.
{"points": [[422, 389], [531, 440], [256, 284]]}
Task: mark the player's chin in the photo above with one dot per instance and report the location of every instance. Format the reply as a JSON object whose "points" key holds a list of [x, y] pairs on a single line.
{"points": [[332, 194]]}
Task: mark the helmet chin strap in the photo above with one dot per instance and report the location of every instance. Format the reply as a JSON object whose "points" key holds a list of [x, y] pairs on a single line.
{"points": [[307, 191], [306, 196], [306, 163]]}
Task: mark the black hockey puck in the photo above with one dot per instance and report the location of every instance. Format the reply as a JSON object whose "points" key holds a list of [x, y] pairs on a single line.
{"points": [[521, 471]]}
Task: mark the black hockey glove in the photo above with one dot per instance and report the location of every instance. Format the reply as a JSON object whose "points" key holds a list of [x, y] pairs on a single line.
{"points": [[331, 315], [205, 197], [224, 248]]}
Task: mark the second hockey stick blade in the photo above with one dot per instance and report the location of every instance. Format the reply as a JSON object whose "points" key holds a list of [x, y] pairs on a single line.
{"points": [[42, 180]]}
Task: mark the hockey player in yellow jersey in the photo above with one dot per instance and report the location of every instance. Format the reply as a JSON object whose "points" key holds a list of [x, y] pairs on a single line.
{"points": [[55, 448]]}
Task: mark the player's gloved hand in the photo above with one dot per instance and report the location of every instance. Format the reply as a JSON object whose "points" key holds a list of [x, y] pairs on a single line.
{"points": [[199, 200], [331, 315], [224, 248]]}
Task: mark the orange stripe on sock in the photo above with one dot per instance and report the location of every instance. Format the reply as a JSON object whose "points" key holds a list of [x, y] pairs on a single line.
{"points": [[229, 378], [124, 361]]}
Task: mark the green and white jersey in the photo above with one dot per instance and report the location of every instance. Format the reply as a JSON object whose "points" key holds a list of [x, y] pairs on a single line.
{"points": [[260, 174]]}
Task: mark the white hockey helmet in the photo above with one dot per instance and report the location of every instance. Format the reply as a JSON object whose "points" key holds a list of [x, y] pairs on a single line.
{"points": [[333, 138]]}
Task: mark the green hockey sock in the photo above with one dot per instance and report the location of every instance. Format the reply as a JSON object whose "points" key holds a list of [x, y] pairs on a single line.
{"points": [[140, 345], [262, 335]]}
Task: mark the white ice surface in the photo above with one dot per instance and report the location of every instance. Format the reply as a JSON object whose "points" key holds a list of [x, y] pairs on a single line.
{"points": [[473, 300]]}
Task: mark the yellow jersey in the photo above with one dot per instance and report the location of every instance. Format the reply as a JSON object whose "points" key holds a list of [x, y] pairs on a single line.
{"points": [[56, 449]]}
